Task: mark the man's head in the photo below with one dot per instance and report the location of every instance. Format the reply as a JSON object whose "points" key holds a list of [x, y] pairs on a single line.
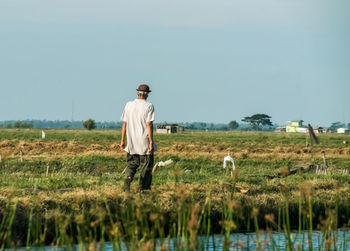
{"points": [[143, 90]]}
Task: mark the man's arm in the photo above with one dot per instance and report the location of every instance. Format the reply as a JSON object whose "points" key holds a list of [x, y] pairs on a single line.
{"points": [[150, 136], [122, 141]]}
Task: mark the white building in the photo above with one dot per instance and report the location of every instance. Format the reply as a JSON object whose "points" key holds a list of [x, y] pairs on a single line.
{"points": [[170, 128], [343, 130]]}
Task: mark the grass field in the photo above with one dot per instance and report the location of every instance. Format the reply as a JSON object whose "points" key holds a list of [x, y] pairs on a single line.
{"points": [[68, 187]]}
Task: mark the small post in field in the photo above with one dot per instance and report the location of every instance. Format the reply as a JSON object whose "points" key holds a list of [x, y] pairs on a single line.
{"points": [[324, 159], [306, 141], [47, 169], [0, 158], [313, 138], [21, 155]]}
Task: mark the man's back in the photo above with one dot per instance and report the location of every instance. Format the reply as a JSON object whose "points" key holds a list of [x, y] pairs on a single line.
{"points": [[137, 114]]}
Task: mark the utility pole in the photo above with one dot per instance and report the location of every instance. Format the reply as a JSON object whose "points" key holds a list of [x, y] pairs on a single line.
{"points": [[72, 118]]}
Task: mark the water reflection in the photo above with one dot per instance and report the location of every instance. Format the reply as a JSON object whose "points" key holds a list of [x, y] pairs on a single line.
{"points": [[340, 240], [249, 241]]}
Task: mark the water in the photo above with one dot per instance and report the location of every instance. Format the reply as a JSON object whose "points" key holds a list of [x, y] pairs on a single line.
{"points": [[248, 241], [272, 241], [239, 241]]}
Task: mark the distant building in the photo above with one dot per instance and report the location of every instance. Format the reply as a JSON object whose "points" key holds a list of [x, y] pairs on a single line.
{"points": [[319, 129], [295, 126], [280, 129], [343, 130], [302, 130], [174, 128]]}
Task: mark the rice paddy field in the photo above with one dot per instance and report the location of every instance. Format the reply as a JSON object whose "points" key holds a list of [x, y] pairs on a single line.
{"points": [[66, 190]]}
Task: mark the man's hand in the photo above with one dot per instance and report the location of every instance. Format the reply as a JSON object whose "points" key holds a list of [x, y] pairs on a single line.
{"points": [[150, 148], [122, 146], [150, 137], [122, 141]]}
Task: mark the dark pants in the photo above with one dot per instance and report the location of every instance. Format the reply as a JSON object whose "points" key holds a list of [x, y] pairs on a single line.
{"points": [[135, 161]]}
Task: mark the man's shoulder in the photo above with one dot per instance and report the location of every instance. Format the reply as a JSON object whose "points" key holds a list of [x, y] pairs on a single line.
{"points": [[145, 103], [149, 103], [130, 103], [139, 103]]}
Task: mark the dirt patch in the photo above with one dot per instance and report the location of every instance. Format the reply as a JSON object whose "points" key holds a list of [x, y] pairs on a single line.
{"points": [[49, 149], [114, 146], [6, 143], [95, 147]]}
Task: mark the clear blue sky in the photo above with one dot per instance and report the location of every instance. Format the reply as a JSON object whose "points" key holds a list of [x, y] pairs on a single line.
{"points": [[205, 60]]}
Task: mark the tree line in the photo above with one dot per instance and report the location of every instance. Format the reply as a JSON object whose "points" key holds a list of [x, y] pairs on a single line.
{"points": [[256, 122], [56, 124]]}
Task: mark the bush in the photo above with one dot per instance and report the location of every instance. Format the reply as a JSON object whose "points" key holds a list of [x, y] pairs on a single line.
{"points": [[233, 125], [89, 124], [20, 124]]}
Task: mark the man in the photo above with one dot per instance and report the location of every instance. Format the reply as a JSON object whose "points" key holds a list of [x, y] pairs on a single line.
{"points": [[138, 117]]}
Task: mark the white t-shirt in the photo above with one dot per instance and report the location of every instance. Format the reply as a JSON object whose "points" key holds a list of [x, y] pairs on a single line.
{"points": [[137, 114]]}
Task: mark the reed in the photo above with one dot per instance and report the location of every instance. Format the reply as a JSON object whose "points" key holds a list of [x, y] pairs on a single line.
{"points": [[135, 221]]}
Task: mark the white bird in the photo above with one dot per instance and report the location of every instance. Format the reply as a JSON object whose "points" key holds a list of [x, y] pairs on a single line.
{"points": [[161, 163], [228, 158], [43, 134]]}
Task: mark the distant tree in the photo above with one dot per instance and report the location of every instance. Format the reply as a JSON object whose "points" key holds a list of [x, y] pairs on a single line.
{"points": [[233, 125], [89, 124], [17, 124], [203, 125], [20, 124], [335, 125], [9, 125], [211, 126], [348, 125], [27, 125], [258, 119], [190, 126], [222, 128]]}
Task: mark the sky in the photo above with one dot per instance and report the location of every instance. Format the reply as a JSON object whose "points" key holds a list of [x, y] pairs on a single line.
{"points": [[205, 60]]}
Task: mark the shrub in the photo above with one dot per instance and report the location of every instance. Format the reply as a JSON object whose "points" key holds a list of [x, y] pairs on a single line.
{"points": [[233, 125], [89, 124], [20, 124]]}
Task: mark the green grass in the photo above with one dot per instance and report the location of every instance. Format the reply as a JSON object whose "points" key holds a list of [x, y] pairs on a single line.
{"points": [[241, 139], [60, 135], [79, 198]]}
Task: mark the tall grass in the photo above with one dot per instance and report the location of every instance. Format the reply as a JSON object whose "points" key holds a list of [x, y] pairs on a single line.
{"points": [[137, 220]]}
